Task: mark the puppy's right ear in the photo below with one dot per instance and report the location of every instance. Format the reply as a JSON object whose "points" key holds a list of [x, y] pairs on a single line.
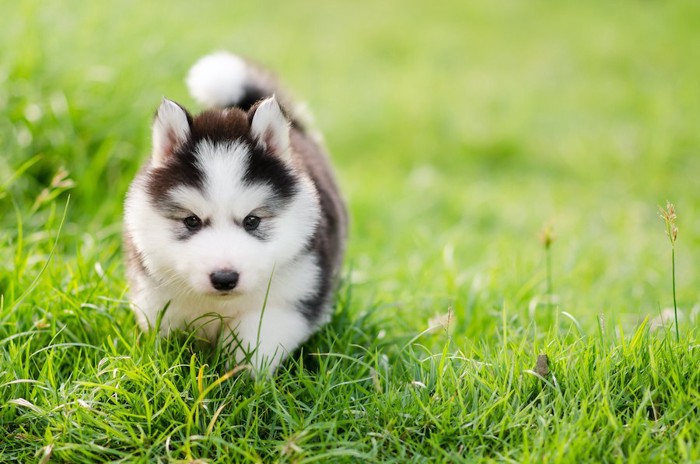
{"points": [[171, 127]]}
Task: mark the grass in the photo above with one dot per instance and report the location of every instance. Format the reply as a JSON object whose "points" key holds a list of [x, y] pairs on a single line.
{"points": [[458, 130]]}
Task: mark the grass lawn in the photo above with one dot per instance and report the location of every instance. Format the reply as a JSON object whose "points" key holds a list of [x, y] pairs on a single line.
{"points": [[460, 131]]}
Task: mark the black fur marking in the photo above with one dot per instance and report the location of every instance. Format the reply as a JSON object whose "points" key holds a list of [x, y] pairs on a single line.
{"points": [[251, 95], [264, 168], [219, 127], [183, 234], [181, 165], [180, 169], [314, 306], [233, 125]]}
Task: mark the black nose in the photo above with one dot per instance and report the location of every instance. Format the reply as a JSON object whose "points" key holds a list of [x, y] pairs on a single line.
{"points": [[224, 280]]}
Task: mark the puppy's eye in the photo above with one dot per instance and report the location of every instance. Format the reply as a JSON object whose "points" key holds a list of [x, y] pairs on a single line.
{"points": [[250, 223], [193, 222]]}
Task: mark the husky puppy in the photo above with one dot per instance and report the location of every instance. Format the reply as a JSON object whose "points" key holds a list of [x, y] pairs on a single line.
{"points": [[235, 225]]}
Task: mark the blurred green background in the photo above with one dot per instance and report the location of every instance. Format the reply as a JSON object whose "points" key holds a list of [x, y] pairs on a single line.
{"points": [[459, 131]]}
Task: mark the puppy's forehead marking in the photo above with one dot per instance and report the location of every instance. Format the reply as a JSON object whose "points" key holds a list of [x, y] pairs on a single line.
{"points": [[221, 126], [224, 167], [222, 163]]}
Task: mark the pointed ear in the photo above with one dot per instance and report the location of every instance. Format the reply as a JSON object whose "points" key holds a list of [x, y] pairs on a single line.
{"points": [[171, 127], [270, 127]]}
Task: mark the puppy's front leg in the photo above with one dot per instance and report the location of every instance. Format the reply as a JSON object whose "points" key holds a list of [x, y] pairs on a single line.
{"points": [[264, 338]]}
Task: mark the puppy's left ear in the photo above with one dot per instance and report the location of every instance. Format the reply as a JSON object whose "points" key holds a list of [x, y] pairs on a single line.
{"points": [[270, 128]]}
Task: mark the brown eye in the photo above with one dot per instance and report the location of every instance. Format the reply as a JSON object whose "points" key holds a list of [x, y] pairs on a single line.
{"points": [[250, 223], [192, 223]]}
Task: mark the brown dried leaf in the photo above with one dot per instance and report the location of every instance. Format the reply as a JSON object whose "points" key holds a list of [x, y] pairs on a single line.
{"points": [[542, 366]]}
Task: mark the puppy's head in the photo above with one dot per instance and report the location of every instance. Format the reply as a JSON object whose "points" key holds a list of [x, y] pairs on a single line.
{"points": [[220, 202]]}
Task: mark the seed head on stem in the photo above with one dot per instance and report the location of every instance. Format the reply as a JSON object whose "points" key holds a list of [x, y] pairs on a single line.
{"points": [[547, 236], [669, 217]]}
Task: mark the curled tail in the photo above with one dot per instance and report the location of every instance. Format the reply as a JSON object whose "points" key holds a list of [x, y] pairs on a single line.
{"points": [[222, 80]]}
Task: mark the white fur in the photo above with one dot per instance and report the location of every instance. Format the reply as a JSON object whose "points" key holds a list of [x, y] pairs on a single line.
{"points": [[183, 267], [218, 80], [170, 128]]}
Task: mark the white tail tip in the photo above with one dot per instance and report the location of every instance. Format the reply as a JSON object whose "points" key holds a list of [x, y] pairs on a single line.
{"points": [[218, 80]]}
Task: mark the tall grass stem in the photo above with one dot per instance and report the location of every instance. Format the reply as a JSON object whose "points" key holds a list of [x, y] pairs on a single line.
{"points": [[673, 285]]}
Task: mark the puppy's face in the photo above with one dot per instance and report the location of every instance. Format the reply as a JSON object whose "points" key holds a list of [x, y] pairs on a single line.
{"points": [[219, 205]]}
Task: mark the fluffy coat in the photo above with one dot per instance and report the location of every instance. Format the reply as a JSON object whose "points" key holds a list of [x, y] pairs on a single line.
{"points": [[235, 226]]}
